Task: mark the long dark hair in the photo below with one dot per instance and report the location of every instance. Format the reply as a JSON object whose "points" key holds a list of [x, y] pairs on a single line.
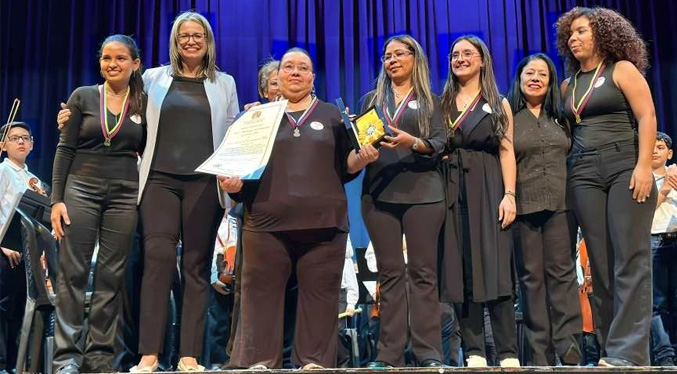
{"points": [[420, 81], [137, 96], [552, 104], [487, 84]]}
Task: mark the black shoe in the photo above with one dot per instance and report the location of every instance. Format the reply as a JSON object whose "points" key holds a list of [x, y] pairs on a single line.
{"points": [[613, 361], [378, 365], [431, 363], [69, 369], [667, 361]]}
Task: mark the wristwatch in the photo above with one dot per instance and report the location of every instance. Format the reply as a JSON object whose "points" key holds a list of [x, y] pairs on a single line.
{"points": [[415, 146]]}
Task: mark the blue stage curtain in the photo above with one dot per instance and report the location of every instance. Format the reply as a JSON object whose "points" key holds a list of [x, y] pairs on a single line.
{"points": [[49, 47]]}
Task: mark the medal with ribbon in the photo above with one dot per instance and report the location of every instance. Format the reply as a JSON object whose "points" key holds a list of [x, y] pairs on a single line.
{"points": [[108, 133], [392, 121], [583, 101], [454, 124], [295, 124]]}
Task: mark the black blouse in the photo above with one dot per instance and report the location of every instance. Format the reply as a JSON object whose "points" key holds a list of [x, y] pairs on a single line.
{"points": [[541, 148], [185, 128], [401, 175], [81, 150], [607, 118], [302, 185]]}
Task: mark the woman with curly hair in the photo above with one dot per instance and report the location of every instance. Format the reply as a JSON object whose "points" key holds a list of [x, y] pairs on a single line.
{"points": [[609, 106]]}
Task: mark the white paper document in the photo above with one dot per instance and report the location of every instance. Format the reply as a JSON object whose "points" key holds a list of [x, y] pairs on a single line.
{"points": [[249, 141]]}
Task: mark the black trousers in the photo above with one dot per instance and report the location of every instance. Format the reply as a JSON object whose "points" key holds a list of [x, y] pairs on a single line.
{"points": [[617, 234], [12, 306], [177, 207], [544, 255], [418, 309], [102, 211], [504, 330], [269, 258]]}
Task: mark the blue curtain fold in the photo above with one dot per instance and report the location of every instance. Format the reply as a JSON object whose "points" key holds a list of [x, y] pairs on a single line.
{"points": [[49, 47]]}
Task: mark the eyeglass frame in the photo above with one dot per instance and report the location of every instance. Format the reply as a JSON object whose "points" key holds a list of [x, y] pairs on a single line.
{"points": [[289, 69], [406, 52], [15, 138], [463, 54], [185, 38]]}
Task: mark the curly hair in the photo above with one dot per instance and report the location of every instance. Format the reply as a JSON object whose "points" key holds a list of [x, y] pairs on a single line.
{"points": [[615, 37]]}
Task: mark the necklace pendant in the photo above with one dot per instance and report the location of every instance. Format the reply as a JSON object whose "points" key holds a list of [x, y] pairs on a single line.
{"points": [[297, 133], [106, 142], [578, 118]]}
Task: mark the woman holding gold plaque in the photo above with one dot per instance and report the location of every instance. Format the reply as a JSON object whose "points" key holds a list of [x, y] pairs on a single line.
{"points": [[96, 186], [480, 172], [608, 104], [296, 215], [403, 193]]}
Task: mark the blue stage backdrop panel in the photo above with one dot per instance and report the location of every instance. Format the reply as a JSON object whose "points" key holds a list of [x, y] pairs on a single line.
{"points": [[49, 47]]}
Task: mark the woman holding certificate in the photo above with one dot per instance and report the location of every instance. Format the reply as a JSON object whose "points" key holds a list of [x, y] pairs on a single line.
{"points": [[480, 172], [608, 104], [296, 216], [403, 193], [94, 198]]}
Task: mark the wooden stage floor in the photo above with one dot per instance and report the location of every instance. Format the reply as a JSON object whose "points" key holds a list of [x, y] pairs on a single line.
{"points": [[453, 370]]}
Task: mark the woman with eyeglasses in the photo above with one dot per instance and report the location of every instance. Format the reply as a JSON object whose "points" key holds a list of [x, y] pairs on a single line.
{"points": [[190, 106], [96, 187], [296, 217], [403, 193], [480, 174]]}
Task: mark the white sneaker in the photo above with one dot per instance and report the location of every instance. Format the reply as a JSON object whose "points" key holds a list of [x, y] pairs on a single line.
{"points": [[476, 362], [510, 363]]}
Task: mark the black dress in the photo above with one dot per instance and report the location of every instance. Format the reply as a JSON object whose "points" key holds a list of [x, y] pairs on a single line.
{"points": [[474, 192]]}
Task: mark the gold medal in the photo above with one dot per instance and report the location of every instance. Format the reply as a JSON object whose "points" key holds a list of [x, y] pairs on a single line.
{"points": [[106, 142], [578, 118]]}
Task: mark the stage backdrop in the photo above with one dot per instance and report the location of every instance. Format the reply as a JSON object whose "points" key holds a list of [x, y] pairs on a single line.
{"points": [[48, 48]]}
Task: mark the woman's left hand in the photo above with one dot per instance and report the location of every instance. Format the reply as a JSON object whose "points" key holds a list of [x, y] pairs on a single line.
{"points": [[507, 211], [400, 139], [641, 183]]}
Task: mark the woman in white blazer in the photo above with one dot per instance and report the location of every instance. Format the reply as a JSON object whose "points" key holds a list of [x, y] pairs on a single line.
{"points": [[190, 106]]}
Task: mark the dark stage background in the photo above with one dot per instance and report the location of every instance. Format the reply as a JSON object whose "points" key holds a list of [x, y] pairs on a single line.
{"points": [[48, 48]]}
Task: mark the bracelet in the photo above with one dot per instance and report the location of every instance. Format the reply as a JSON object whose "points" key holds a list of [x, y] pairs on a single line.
{"points": [[510, 193]]}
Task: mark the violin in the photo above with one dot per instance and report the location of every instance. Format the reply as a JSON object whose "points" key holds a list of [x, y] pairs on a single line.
{"points": [[33, 183]]}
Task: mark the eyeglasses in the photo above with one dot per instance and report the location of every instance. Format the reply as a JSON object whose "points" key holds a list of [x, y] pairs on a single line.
{"points": [[466, 55], [16, 138], [302, 69], [397, 55], [197, 37]]}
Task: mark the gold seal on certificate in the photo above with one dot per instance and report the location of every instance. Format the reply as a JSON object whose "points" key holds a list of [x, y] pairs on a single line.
{"points": [[249, 141], [368, 128]]}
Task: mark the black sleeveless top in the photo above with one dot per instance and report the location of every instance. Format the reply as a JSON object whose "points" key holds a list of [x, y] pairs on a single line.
{"points": [[607, 117]]}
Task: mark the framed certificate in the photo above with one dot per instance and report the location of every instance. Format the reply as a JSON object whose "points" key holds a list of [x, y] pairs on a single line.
{"points": [[249, 141], [368, 128]]}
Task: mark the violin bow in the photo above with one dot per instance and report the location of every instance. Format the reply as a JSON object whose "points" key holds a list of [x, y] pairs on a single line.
{"points": [[12, 114]]}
